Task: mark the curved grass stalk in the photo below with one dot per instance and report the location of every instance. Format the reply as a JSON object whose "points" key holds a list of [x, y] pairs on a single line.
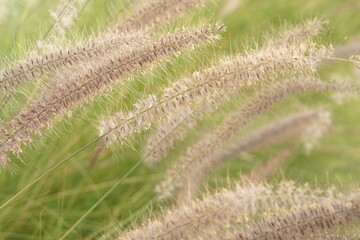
{"points": [[63, 97], [216, 213], [155, 12], [307, 223], [229, 76], [23, 190], [60, 59], [198, 158]]}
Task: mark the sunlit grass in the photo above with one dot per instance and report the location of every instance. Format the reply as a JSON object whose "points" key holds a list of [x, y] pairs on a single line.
{"points": [[59, 191]]}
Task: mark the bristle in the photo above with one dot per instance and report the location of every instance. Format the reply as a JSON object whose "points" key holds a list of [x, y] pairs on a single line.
{"points": [[175, 127], [123, 124], [356, 60], [167, 132], [307, 223], [90, 50], [278, 131], [216, 213], [314, 131], [226, 78], [63, 16], [300, 33], [293, 126], [154, 12], [263, 171], [197, 159], [82, 86]]}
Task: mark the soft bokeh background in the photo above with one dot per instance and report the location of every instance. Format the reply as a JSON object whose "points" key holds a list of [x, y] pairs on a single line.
{"points": [[49, 208]]}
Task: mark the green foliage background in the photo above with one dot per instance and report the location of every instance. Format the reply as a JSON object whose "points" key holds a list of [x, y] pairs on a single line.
{"points": [[50, 207]]}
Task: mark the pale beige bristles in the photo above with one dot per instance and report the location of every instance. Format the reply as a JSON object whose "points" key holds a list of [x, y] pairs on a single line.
{"points": [[167, 133], [299, 34], [63, 16], [263, 171], [228, 77], [315, 130], [198, 158], [87, 82], [58, 59], [219, 211], [293, 126], [309, 222], [356, 60], [270, 134], [155, 12], [122, 124], [175, 127]]}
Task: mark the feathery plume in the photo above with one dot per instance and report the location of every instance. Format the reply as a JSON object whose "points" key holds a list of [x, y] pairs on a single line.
{"points": [[264, 170], [90, 50], [217, 212], [314, 131], [197, 159], [151, 13], [226, 78], [175, 127], [88, 82], [340, 98], [63, 16], [298, 34], [293, 126], [122, 124], [167, 133], [279, 131], [307, 223]]}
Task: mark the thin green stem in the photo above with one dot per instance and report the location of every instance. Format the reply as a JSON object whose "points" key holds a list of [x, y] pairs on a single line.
{"points": [[46, 173], [61, 15], [101, 199]]}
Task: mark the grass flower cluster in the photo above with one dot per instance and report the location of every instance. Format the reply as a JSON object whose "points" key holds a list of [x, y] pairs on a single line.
{"points": [[210, 121]]}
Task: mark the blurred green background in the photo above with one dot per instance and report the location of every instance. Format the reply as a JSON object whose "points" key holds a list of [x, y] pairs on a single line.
{"points": [[49, 208]]}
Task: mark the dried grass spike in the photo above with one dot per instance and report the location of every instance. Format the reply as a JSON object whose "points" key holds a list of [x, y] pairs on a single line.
{"points": [[300, 33], [272, 133], [267, 169], [307, 223], [167, 133], [62, 98], [152, 13], [314, 131], [199, 158], [216, 213], [90, 50], [63, 17], [227, 78]]}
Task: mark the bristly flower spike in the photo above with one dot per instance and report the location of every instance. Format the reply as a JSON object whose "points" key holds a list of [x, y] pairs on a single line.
{"points": [[228, 77], [155, 12], [82, 86], [199, 157], [216, 213], [58, 59]]}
